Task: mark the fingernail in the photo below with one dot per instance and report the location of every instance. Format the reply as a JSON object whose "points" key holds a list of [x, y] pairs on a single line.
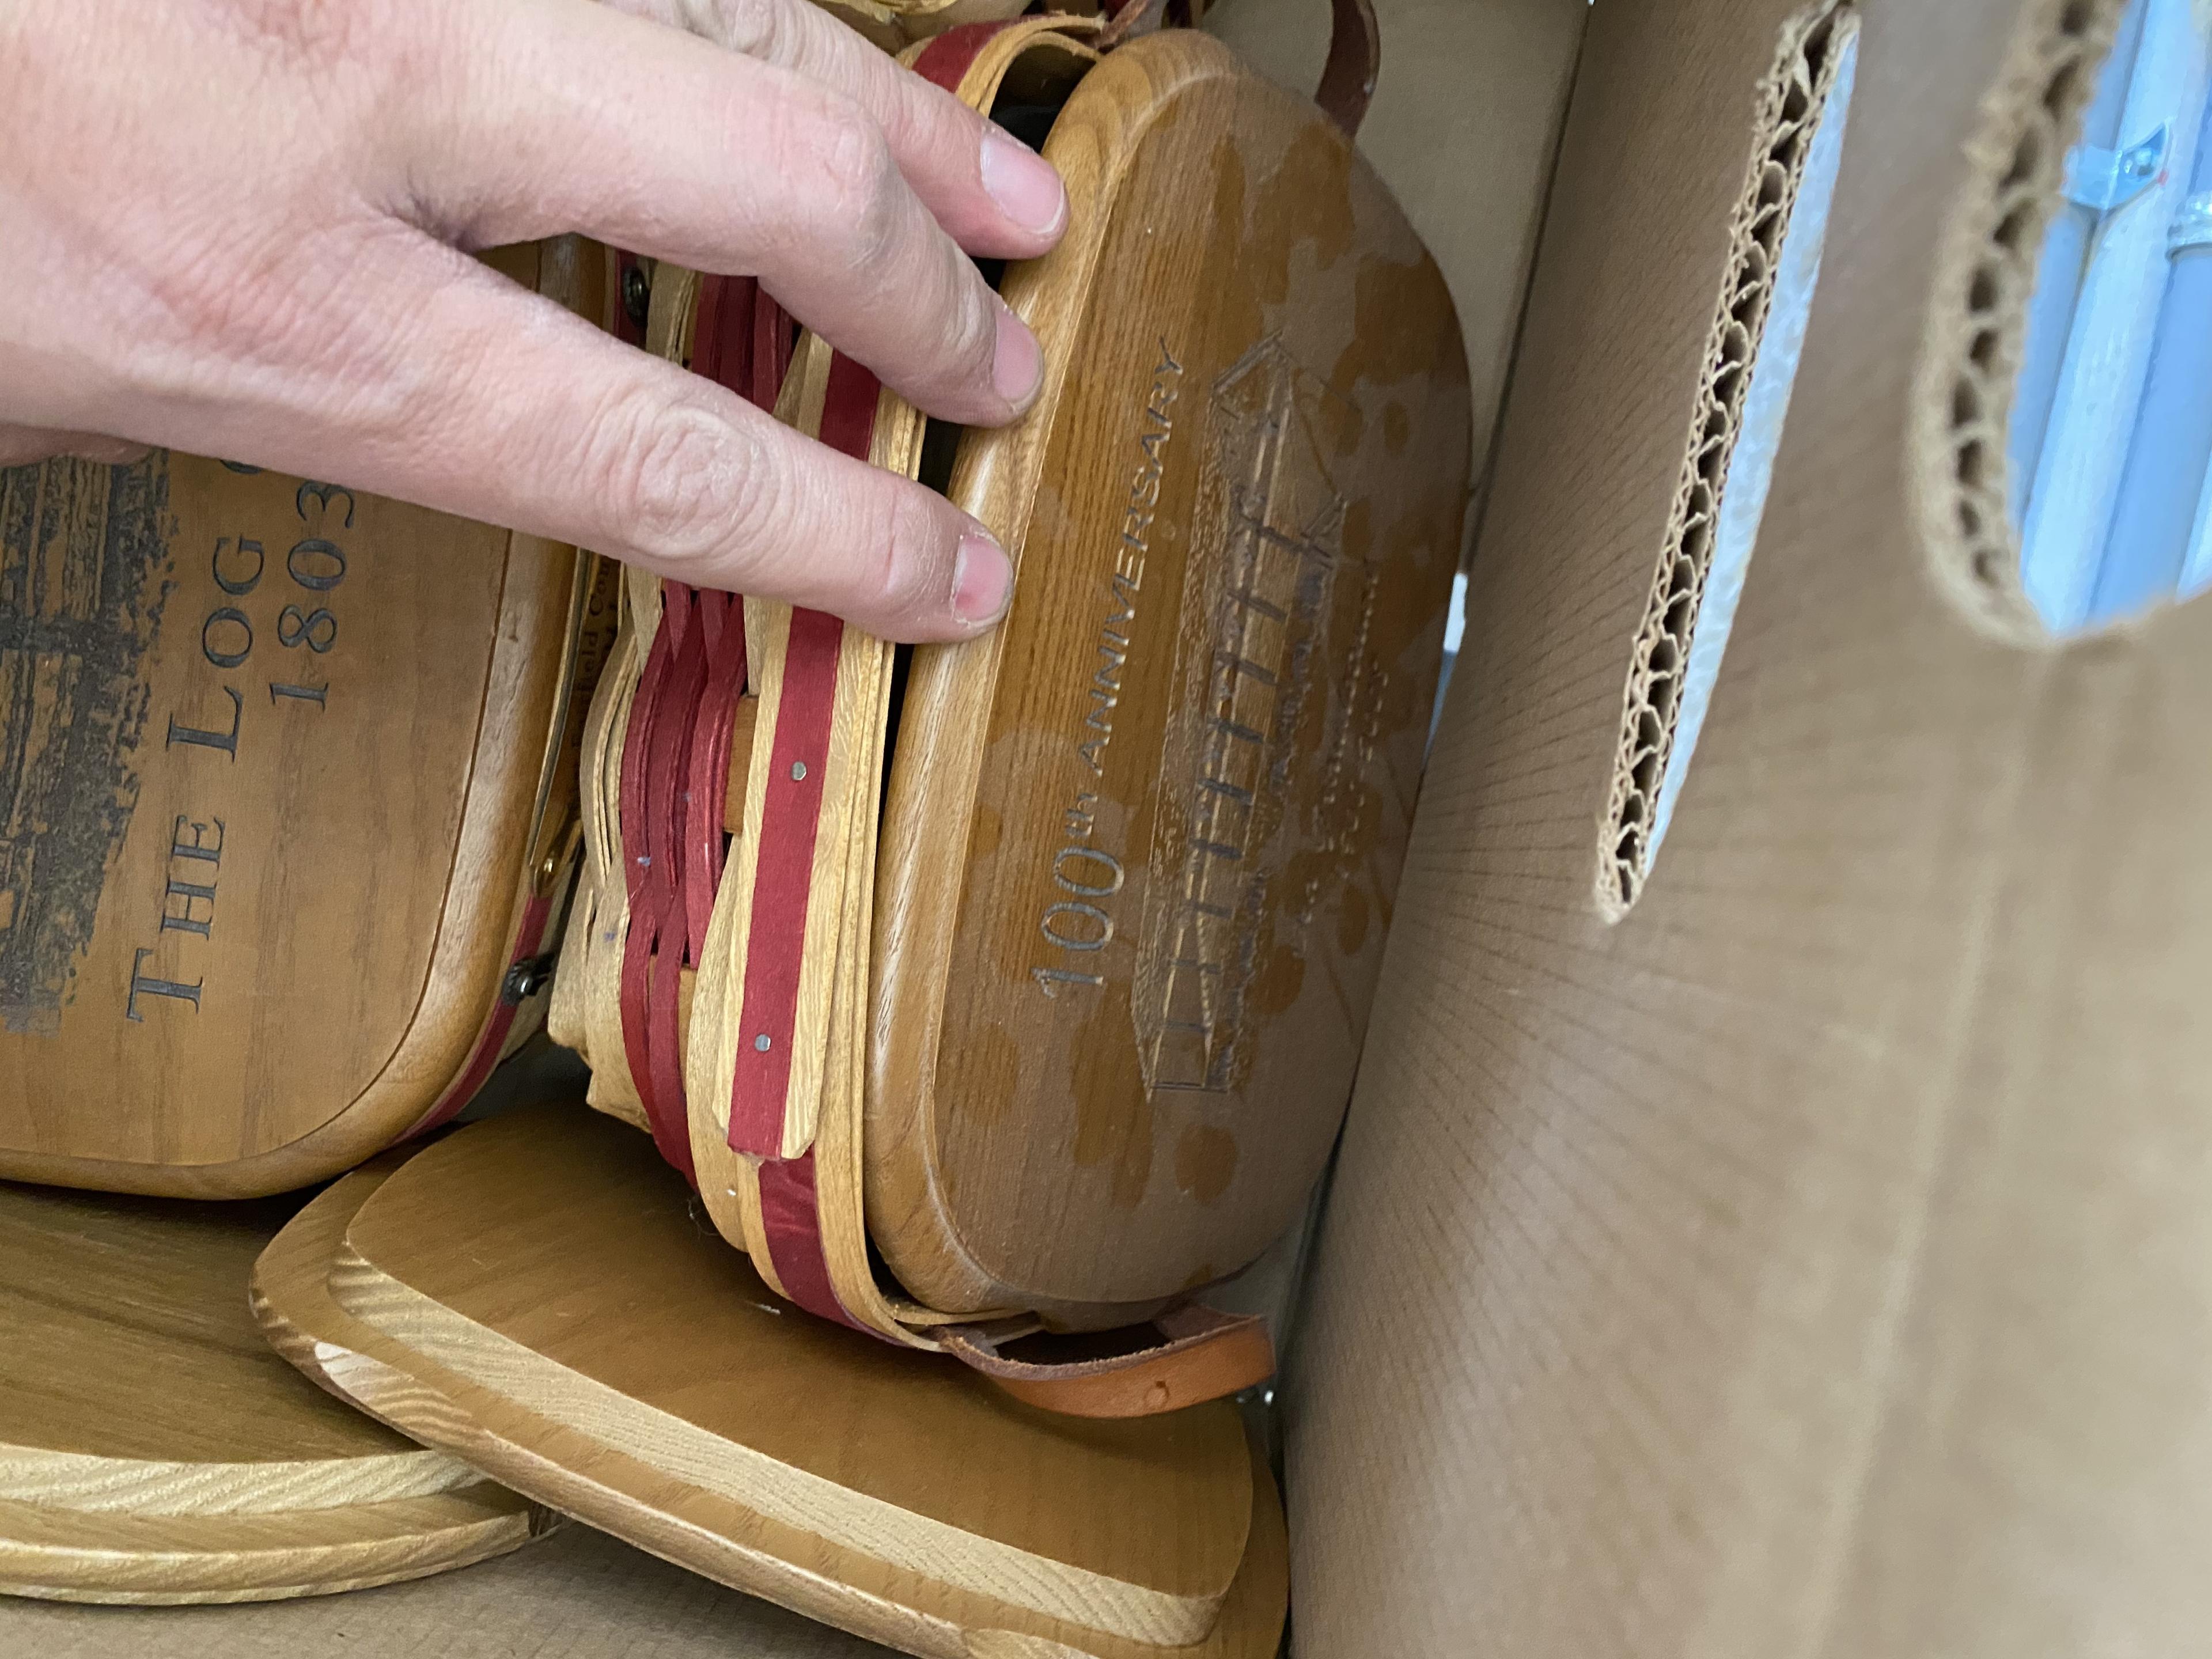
{"points": [[1023, 183], [982, 580], [1016, 364]]}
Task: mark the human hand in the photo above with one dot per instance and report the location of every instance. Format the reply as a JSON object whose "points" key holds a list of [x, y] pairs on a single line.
{"points": [[242, 227]]}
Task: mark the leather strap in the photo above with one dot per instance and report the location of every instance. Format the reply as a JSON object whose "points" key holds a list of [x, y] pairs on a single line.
{"points": [[1195, 1353], [1131, 19], [1355, 58]]}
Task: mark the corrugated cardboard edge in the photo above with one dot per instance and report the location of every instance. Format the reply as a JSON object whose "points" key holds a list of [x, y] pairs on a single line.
{"points": [[1961, 473]]}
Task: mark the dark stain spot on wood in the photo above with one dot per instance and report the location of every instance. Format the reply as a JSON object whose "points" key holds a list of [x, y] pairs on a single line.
{"points": [[1206, 1158], [1114, 1106], [1351, 923]]}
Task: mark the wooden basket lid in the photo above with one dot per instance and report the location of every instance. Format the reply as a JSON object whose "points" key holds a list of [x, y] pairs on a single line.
{"points": [[537, 1294], [152, 1449], [273, 758], [1140, 845]]}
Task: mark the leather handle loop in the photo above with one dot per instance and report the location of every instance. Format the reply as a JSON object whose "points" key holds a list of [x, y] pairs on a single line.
{"points": [[1355, 58], [1131, 19], [1194, 1354]]}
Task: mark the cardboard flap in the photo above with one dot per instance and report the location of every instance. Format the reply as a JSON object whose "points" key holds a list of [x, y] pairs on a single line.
{"points": [[1809, 1262]]}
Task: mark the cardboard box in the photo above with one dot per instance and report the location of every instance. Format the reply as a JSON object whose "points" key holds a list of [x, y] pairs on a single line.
{"points": [[1809, 1256]]}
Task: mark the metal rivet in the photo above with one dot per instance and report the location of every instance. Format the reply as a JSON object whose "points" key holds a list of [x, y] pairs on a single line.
{"points": [[761, 1043], [799, 771]]}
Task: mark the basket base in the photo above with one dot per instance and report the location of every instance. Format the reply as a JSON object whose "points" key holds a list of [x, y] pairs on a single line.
{"points": [[536, 1294]]}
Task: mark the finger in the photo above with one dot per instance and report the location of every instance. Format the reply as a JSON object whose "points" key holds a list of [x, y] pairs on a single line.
{"points": [[994, 195], [459, 390], [21, 446], [572, 118]]}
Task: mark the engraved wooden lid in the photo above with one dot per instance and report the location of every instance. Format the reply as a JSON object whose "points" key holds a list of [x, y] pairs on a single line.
{"points": [[1140, 845], [272, 756]]}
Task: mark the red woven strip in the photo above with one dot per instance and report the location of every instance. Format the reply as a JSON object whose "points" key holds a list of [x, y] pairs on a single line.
{"points": [[791, 1217], [724, 331], [791, 819], [493, 1038], [788, 1198], [650, 972], [782, 882], [707, 328], [722, 620], [675, 756], [667, 824], [947, 58], [849, 408], [790, 1210]]}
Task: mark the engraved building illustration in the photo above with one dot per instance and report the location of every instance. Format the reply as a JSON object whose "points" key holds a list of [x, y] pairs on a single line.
{"points": [[81, 548]]}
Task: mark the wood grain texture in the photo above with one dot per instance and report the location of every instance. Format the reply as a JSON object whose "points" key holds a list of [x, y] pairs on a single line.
{"points": [[582, 1594], [152, 1449], [329, 953], [1179, 776], [630, 1470], [1813, 1263], [915, 1466], [52, 1554]]}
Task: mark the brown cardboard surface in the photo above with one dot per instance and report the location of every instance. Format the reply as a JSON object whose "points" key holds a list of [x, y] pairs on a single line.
{"points": [[578, 1595], [1815, 1262]]}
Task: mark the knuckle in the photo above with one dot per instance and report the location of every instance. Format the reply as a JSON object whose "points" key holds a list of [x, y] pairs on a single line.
{"points": [[974, 341], [755, 28], [909, 571], [859, 185], [680, 484]]}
